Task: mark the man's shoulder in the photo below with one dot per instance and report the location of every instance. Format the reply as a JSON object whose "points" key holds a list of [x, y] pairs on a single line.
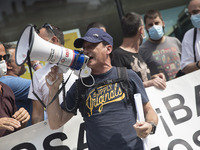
{"points": [[145, 45], [14, 79], [117, 50], [189, 34], [129, 72], [173, 41], [3, 85], [172, 38], [190, 31], [120, 52]]}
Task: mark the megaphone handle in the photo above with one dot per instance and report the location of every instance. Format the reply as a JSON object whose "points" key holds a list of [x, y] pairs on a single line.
{"points": [[61, 70], [52, 82]]}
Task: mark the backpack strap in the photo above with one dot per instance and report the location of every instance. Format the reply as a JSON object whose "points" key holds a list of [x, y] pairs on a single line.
{"points": [[194, 41], [125, 85], [80, 96]]}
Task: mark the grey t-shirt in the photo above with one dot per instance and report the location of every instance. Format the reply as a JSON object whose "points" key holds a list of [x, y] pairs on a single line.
{"points": [[163, 57]]}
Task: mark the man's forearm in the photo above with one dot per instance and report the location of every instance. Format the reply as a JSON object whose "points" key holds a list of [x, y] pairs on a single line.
{"points": [[191, 67], [54, 111], [150, 114]]}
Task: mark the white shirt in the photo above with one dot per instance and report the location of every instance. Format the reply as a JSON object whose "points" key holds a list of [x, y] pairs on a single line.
{"points": [[187, 56], [41, 88]]}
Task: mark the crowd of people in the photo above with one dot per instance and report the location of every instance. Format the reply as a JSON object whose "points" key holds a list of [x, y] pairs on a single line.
{"points": [[151, 63]]}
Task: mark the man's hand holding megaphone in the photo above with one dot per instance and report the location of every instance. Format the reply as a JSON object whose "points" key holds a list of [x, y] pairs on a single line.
{"points": [[54, 78]]}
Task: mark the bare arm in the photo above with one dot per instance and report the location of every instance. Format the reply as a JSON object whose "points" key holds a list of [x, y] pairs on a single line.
{"points": [[38, 112], [191, 67], [157, 81], [57, 117], [143, 129], [150, 114]]}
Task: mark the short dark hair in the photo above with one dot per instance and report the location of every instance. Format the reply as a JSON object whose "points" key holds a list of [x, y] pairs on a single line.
{"points": [[7, 47], [152, 14], [95, 25], [57, 32], [130, 24]]}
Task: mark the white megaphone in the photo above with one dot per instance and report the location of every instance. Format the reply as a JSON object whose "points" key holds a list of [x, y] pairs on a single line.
{"points": [[32, 45]]}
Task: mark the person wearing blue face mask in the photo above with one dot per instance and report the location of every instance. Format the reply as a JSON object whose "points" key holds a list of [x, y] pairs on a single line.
{"points": [[160, 52], [191, 52], [156, 32], [127, 54]]}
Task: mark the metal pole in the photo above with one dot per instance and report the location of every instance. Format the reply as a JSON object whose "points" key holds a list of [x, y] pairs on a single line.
{"points": [[119, 9]]}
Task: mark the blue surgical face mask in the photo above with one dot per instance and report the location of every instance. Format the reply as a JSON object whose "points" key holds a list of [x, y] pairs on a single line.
{"points": [[195, 19], [156, 32]]}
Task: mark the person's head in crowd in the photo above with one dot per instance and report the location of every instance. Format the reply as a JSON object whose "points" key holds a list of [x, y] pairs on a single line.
{"points": [[12, 68], [154, 25], [96, 44], [96, 25], [194, 11], [132, 26], [52, 34], [3, 55], [3, 58]]}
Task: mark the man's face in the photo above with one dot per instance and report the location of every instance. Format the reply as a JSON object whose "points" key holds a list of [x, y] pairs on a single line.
{"points": [[53, 39], [43, 34], [194, 7], [97, 53], [2, 50], [151, 22], [17, 70]]}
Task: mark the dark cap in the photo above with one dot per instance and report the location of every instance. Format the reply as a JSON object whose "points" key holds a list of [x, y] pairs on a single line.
{"points": [[94, 35]]}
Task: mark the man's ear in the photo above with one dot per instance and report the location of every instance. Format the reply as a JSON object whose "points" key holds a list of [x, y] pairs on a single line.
{"points": [[163, 24], [141, 30], [9, 66], [55, 40], [109, 49]]}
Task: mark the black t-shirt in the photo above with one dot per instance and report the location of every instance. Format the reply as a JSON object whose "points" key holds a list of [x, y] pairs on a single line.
{"points": [[134, 61]]}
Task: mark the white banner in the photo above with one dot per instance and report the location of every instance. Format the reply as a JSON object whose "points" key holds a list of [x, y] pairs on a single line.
{"points": [[178, 109], [41, 137]]}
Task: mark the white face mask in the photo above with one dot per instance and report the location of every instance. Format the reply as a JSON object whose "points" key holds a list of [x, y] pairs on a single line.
{"points": [[3, 68]]}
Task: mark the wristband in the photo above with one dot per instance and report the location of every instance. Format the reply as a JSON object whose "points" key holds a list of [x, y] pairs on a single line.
{"points": [[35, 65], [197, 64]]}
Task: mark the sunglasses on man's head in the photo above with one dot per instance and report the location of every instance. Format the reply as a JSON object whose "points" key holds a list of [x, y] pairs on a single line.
{"points": [[47, 25], [5, 57]]}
